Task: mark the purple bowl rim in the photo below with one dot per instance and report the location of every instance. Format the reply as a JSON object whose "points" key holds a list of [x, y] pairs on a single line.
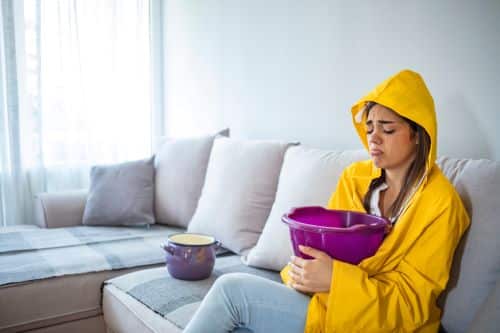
{"points": [[382, 222], [191, 245]]}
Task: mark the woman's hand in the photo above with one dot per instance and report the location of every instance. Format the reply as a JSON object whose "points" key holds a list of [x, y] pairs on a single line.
{"points": [[311, 275]]}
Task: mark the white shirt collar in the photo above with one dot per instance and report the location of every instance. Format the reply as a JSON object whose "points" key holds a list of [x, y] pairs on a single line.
{"points": [[375, 201]]}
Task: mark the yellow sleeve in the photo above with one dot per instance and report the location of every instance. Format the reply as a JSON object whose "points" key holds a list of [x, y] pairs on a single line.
{"points": [[284, 275], [403, 299], [338, 197], [347, 195]]}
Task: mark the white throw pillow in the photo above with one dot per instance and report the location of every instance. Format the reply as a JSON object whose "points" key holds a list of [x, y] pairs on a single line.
{"points": [[476, 264], [239, 191], [180, 168], [308, 178]]}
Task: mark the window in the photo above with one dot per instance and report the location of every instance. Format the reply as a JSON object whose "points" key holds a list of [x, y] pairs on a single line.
{"points": [[77, 89], [87, 85]]}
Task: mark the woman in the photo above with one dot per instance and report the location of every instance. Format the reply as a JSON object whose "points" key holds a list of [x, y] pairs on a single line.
{"points": [[396, 289]]}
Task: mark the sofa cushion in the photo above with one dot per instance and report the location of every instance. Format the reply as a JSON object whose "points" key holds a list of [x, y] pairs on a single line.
{"points": [[31, 305], [123, 313], [308, 177], [487, 319], [239, 191], [121, 194], [46, 253], [155, 289], [476, 265], [181, 165], [37, 264]]}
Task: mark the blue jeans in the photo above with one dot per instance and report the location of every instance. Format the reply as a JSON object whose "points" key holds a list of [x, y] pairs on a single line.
{"points": [[240, 302]]}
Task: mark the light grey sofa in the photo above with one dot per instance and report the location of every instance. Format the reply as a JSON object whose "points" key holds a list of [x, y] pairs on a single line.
{"points": [[470, 303], [77, 303]]}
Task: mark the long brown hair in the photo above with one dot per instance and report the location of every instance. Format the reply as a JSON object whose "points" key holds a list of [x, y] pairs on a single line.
{"points": [[414, 173]]}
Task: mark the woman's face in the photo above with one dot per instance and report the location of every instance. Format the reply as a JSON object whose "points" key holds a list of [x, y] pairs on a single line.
{"points": [[390, 139]]}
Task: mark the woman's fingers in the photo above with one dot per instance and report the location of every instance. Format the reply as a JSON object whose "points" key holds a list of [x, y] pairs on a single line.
{"points": [[296, 279], [311, 275], [298, 261], [295, 271], [316, 254], [301, 288], [298, 269]]}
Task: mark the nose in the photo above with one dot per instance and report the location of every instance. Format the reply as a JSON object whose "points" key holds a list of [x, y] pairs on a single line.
{"points": [[374, 136]]}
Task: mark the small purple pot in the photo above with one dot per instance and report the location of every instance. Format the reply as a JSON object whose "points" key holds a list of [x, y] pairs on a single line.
{"points": [[190, 256]]}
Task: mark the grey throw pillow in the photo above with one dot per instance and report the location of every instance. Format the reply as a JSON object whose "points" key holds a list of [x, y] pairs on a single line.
{"points": [[121, 194]]}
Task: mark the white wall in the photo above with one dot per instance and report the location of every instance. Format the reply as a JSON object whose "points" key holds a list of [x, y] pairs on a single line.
{"points": [[284, 69]]}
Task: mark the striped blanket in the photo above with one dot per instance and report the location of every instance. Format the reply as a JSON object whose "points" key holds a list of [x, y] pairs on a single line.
{"points": [[177, 300], [32, 254]]}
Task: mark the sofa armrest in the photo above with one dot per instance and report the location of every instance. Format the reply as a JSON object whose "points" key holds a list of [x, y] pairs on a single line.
{"points": [[60, 209]]}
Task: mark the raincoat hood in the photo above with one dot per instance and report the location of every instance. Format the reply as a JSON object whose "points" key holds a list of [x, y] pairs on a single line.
{"points": [[406, 94]]}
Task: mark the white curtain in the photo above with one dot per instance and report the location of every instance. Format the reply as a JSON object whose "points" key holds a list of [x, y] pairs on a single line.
{"points": [[84, 89], [11, 179]]}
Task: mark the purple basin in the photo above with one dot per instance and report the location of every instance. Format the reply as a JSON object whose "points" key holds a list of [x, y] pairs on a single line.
{"points": [[345, 235], [190, 256]]}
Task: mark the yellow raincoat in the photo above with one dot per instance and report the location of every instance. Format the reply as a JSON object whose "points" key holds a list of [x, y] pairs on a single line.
{"points": [[396, 289]]}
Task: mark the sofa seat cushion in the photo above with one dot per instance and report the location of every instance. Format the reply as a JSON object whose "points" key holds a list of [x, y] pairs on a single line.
{"points": [[51, 302], [18, 227], [52, 276], [175, 301], [37, 254], [123, 313]]}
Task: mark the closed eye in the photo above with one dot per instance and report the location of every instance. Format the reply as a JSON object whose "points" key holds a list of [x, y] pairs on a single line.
{"points": [[381, 123], [370, 131]]}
